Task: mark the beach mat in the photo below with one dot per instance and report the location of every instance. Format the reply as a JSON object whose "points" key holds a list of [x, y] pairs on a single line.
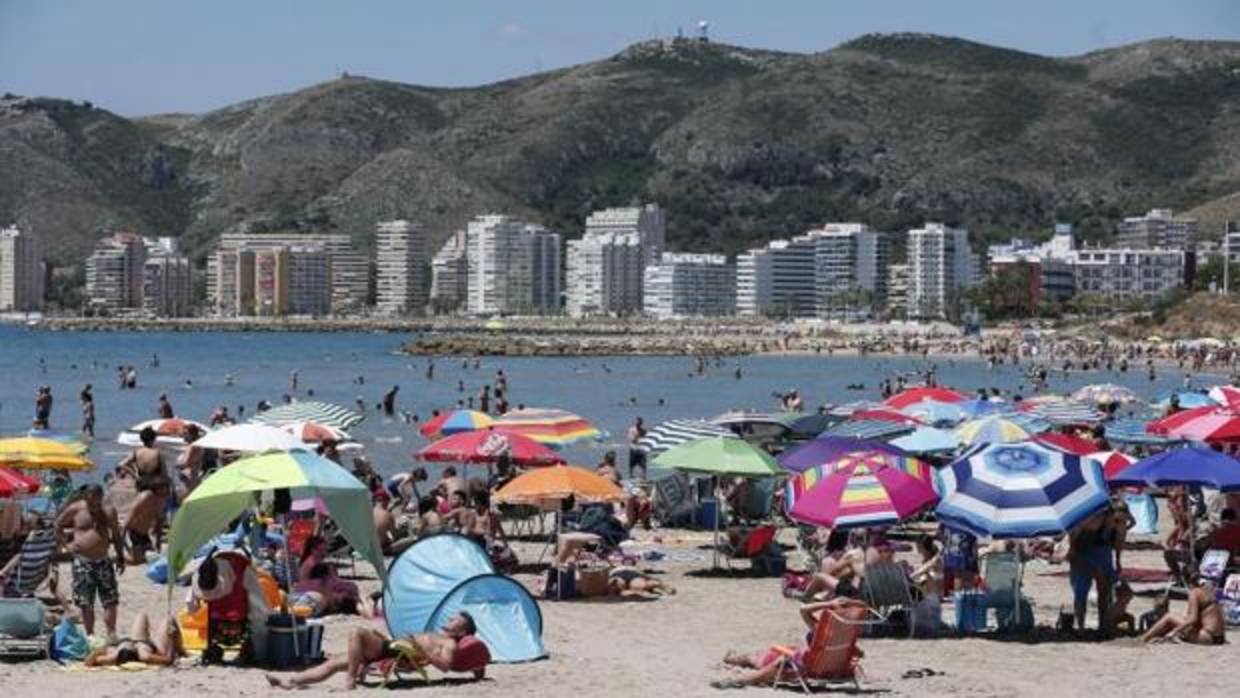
{"points": [[1132, 575]]}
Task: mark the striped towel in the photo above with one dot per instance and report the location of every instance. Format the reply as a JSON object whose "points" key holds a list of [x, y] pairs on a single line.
{"points": [[36, 562]]}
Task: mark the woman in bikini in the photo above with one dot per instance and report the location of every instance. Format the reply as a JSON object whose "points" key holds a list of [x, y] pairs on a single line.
{"points": [[1202, 624], [162, 650]]}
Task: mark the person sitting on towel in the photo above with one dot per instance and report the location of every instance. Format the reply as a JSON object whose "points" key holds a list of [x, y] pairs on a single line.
{"points": [[452, 649]]}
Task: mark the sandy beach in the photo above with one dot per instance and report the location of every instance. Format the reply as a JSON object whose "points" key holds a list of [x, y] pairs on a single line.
{"points": [[672, 646]]}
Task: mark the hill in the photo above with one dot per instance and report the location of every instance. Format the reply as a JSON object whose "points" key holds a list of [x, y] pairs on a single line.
{"points": [[740, 145]]}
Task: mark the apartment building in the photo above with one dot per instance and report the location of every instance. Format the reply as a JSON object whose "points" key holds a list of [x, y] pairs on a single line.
{"points": [[689, 285], [400, 268], [22, 272]]}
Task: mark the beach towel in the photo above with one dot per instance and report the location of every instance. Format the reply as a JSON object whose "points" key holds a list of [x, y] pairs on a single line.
{"points": [[1145, 511]]}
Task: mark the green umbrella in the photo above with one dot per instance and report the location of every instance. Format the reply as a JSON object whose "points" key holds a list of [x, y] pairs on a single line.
{"points": [[719, 456], [723, 457], [228, 492]]}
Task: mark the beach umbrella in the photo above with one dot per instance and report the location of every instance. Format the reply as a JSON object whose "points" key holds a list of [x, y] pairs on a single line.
{"points": [[315, 433], [932, 412], [870, 429], [15, 484], [1226, 395], [556, 483], [1186, 399], [1019, 490], [554, 428], [1212, 426], [250, 438], [776, 423], [1203, 467], [455, 422], [73, 441], [974, 408], [1067, 412], [678, 431], [41, 454], [169, 433], [883, 414], [927, 440], [719, 456], [812, 425], [229, 491], [1179, 419], [489, 446], [1105, 394], [910, 396], [1133, 432], [1035, 400], [1113, 462], [847, 409], [310, 411], [866, 488], [828, 448], [1067, 443], [991, 430]]}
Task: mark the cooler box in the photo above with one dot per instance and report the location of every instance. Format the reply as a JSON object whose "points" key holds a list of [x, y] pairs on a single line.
{"points": [[970, 611], [707, 512], [283, 651], [193, 629]]}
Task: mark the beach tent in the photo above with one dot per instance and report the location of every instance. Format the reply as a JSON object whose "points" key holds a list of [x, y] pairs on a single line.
{"points": [[445, 574], [229, 491]]}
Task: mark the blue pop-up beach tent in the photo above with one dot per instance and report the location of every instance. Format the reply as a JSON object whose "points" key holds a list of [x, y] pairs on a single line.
{"points": [[442, 575]]}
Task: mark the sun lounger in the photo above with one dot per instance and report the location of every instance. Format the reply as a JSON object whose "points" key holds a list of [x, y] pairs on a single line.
{"points": [[472, 657], [886, 589], [23, 632], [832, 656]]}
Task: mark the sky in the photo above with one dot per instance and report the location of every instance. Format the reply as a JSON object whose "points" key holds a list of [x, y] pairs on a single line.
{"points": [[139, 57]]}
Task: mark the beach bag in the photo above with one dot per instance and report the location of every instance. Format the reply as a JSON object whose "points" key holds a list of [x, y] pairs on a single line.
{"points": [[794, 584], [157, 570], [970, 611], [68, 643], [560, 584], [1145, 512]]}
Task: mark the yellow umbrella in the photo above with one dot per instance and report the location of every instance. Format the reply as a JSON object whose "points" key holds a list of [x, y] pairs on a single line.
{"points": [[41, 454]]}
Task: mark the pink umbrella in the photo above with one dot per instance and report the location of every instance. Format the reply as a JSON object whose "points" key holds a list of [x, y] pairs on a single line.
{"points": [[860, 489]]}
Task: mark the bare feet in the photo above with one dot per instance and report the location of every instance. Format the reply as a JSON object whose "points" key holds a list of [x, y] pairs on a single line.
{"points": [[277, 682]]}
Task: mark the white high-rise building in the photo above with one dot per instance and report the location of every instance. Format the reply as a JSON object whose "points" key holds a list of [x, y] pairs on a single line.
{"points": [[778, 280], [114, 272], [648, 223], [167, 280], [941, 266], [604, 274], [450, 274], [513, 267], [400, 259], [21, 271], [850, 269], [350, 267], [690, 285]]}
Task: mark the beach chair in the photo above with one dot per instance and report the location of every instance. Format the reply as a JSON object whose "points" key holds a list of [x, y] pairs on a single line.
{"points": [[886, 589], [1144, 512], [32, 566], [297, 532], [472, 657], [832, 656], [750, 547], [756, 505], [1002, 573], [23, 630]]}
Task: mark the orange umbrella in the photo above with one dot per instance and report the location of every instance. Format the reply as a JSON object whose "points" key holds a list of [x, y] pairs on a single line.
{"points": [[559, 482]]}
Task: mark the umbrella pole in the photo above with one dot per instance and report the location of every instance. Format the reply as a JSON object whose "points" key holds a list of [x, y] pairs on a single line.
{"points": [[288, 574], [715, 547]]}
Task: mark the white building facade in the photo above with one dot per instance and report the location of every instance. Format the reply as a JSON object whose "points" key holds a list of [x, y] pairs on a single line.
{"points": [[648, 222], [513, 267], [941, 267], [450, 274], [400, 264], [850, 270], [167, 280], [114, 273], [21, 271], [1160, 228], [604, 274], [1129, 273], [689, 285]]}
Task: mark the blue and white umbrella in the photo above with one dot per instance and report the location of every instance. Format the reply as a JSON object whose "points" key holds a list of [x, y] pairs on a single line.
{"points": [[1067, 412], [1019, 490], [1132, 432], [935, 412], [675, 432], [870, 429]]}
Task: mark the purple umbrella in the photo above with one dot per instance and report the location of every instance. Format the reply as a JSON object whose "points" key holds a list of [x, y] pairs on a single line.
{"points": [[828, 448], [1183, 466]]}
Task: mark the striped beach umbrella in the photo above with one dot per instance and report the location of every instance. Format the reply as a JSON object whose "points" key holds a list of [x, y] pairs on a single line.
{"points": [[1226, 395], [991, 430], [1067, 412], [828, 448], [1066, 443], [455, 422], [310, 411], [1019, 490], [927, 440], [1113, 462], [675, 432], [554, 428], [870, 429], [1105, 394], [933, 412], [1205, 424], [910, 396], [1134, 432], [867, 488], [489, 446]]}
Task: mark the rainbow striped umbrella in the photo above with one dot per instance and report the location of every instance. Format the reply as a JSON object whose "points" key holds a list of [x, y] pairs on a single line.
{"points": [[455, 422], [554, 428], [865, 488]]}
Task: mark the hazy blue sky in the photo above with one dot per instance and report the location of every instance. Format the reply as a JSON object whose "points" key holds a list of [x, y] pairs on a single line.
{"points": [[145, 56]]}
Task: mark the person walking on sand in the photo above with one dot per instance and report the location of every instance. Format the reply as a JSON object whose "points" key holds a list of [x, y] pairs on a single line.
{"points": [[88, 411], [88, 527], [637, 456]]}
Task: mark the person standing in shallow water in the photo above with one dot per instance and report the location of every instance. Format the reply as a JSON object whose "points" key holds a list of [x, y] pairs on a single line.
{"points": [[164, 408], [389, 401], [88, 411]]}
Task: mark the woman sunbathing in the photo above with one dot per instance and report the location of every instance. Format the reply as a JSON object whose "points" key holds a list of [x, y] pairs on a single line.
{"points": [[162, 650], [1202, 624], [630, 581], [764, 667]]}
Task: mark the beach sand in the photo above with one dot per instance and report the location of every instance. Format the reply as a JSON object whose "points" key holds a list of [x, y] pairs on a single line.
{"points": [[672, 646]]}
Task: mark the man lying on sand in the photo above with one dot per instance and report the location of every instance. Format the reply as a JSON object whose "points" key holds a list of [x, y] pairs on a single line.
{"points": [[368, 646], [161, 650]]}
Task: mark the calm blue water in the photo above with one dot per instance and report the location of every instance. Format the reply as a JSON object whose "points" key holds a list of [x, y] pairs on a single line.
{"points": [[329, 363]]}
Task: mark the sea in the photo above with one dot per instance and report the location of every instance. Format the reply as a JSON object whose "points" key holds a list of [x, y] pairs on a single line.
{"points": [[193, 369]]}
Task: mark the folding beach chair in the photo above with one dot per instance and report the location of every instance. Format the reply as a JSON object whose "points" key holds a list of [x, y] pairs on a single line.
{"points": [[886, 589], [832, 656], [749, 547], [32, 565], [1003, 573]]}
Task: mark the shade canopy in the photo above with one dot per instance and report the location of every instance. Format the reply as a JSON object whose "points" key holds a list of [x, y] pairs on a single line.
{"points": [[1020, 490], [934, 412], [443, 575], [868, 488], [556, 483], [41, 454], [1215, 425], [550, 427], [310, 411], [1183, 466], [826, 449], [1133, 431], [905, 398], [927, 440], [812, 425], [1226, 395], [250, 438], [1067, 412], [678, 431], [489, 446], [719, 456], [884, 414], [229, 491], [455, 422]]}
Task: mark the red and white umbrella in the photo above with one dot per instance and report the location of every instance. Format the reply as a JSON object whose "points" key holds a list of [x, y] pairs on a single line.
{"points": [[1226, 395], [15, 484], [1113, 462]]}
